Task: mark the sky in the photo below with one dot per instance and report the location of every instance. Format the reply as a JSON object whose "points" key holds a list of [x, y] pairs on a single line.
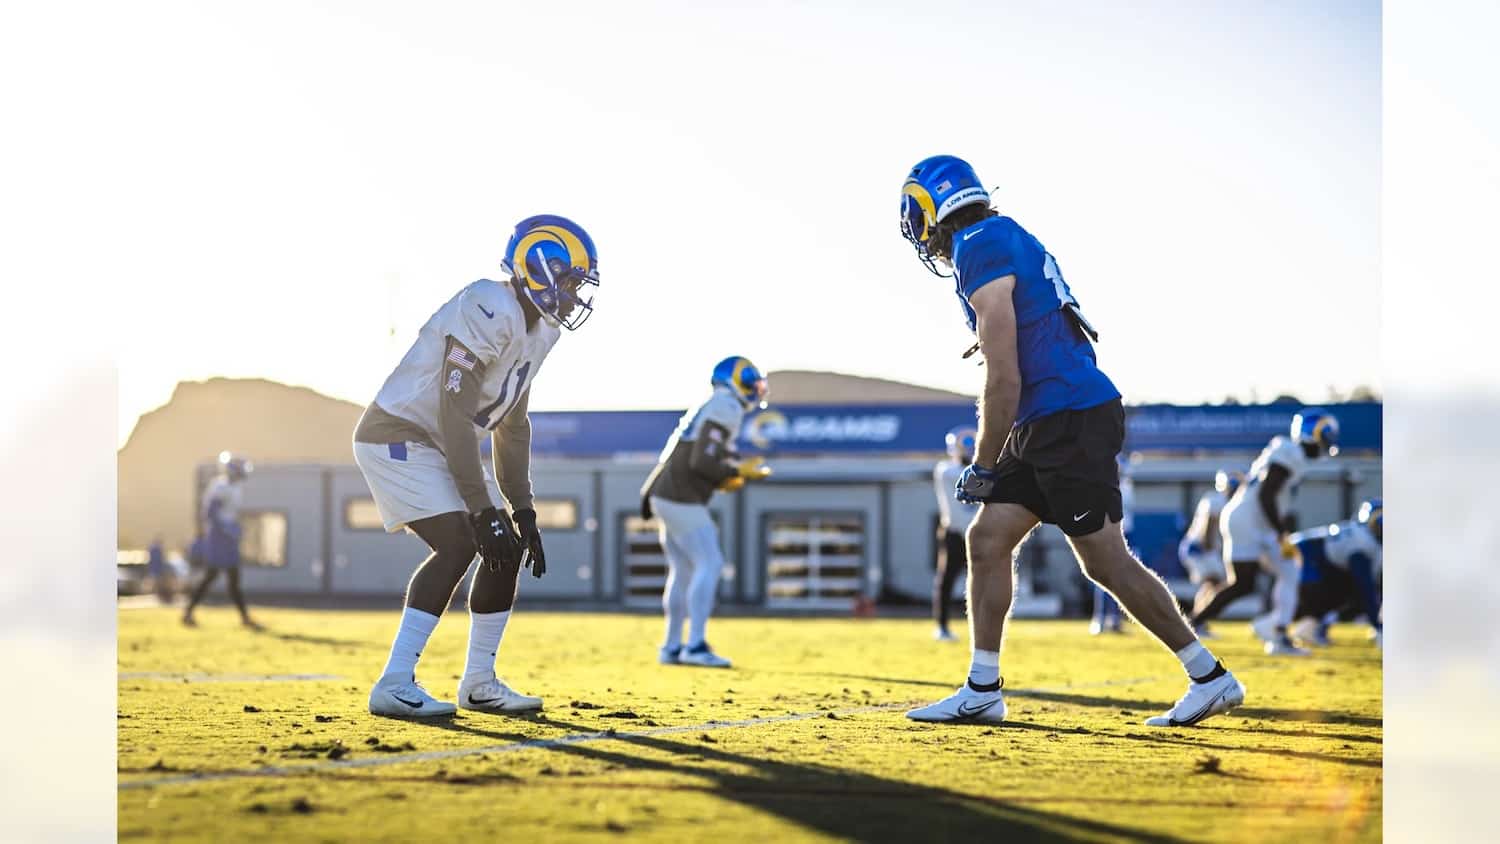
{"points": [[319, 177]]}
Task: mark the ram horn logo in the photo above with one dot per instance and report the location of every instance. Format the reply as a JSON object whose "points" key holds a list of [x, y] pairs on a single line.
{"points": [[756, 430]]}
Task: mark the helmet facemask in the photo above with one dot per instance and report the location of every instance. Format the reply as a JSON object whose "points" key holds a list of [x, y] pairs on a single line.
{"points": [[564, 294]]}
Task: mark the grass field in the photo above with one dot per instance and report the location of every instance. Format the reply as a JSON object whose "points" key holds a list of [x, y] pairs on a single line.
{"points": [[228, 735]]}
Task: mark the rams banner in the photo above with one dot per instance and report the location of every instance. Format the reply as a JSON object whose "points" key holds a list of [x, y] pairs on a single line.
{"points": [[834, 429]]}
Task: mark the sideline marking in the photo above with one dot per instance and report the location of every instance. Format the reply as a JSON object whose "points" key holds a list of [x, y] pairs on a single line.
{"points": [[200, 677]]}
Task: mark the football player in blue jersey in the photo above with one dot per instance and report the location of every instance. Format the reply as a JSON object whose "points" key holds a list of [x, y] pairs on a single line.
{"points": [[1050, 427], [1339, 565]]}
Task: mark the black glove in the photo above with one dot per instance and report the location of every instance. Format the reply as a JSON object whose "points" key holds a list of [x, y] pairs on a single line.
{"points": [[496, 537], [531, 539]]}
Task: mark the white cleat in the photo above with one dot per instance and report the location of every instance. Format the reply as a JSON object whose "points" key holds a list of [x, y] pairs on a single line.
{"points": [[964, 706], [1282, 646], [493, 695], [669, 656], [943, 634], [1203, 700], [1264, 628], [701, 655], [403, 697]]}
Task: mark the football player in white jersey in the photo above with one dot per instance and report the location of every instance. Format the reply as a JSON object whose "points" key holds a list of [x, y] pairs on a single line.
{"points": [[698, 459], [469, 372], [1200, 550], [954, 517], [1255, 527], [219, 525], [1340, 563]]}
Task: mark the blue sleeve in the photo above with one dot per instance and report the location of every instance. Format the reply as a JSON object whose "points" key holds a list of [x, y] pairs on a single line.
{"points": [[986, 255], [1363, 570]]}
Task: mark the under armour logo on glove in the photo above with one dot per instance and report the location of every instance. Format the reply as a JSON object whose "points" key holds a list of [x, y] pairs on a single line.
{"points": [[976, 484]]}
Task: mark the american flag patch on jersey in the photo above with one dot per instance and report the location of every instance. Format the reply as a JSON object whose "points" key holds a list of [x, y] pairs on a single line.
{"points": [[462, 358]]}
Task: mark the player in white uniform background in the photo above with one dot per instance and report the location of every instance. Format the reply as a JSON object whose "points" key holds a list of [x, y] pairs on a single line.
{"points": [[470, 372], [1256, 527], [1201, 550], [219, 536], [954, 517], [700, 458], [1341, 565]]}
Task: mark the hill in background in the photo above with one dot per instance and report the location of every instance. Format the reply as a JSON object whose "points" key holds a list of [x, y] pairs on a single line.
{"points": [[270, 422]]}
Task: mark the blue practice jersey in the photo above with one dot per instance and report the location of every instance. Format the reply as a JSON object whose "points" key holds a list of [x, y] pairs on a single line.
{"points": [[1058, 368]]}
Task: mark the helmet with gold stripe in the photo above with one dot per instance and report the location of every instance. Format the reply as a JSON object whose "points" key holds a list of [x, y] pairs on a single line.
{"points": [[741, 376], [554, 261], [934, 189], [1317, 427]]}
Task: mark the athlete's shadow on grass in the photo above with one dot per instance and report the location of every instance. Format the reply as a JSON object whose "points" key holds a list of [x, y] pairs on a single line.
{"points": [[314, 640], [840, 802]]}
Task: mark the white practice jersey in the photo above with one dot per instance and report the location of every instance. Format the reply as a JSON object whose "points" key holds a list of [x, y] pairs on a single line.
{"points": [[486, 319], [1281, 451], [1209, 508], [1343, 540], [955, 515], [221, 502]]}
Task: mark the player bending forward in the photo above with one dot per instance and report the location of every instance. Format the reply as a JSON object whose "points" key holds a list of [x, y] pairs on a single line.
{"points": [[1050, 427], [1340, 563], [1256, 527], [470, 370], [699, 458], [1200, 549]]}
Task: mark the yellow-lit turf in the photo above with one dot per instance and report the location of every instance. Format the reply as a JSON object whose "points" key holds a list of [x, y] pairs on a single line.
{"points": [[1300, 761]]}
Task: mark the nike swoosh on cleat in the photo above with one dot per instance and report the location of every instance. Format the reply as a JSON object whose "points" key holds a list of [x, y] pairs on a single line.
{"points": [[416, 705], [965, 712], [1201, 713], [483, 702]]}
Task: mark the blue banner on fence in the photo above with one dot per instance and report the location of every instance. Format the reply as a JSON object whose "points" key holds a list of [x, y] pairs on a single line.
{"points": [[844, 429]]}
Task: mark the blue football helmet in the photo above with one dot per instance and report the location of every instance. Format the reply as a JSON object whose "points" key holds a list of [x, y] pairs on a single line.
{"points": [[1317, 427], [935, 188], [1228, 480], [962, 442], [741, 376], [1372, 515], [555, 261], [236, 468]]}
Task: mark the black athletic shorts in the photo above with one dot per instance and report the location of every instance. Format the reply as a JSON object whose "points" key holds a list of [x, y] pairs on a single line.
{"points": [[1062, 468]]}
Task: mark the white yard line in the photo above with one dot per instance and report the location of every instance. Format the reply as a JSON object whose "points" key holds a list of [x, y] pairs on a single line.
{"points": [[576, 738]]}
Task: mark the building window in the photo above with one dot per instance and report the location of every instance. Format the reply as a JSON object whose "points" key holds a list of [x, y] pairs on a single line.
{"points": [[814, 560], [263, 541], [556, 513], [361, 514]]}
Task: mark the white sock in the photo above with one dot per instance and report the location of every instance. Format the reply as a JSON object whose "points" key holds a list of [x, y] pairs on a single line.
{"points": [[411, 638], [485, 631], [1197, 659], [984, 669]]}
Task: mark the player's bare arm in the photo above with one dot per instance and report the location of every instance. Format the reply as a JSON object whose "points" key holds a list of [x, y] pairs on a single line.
{"points": [[511, 452], [995, 325], [1276, 478]]}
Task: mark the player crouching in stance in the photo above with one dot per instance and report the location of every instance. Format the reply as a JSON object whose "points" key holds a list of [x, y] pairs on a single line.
{"points": [[220, 537], [470, 370], [699, 458], [1050, 427], [1200, 549], [1256, 527], [954, 517], [1339, 565]]}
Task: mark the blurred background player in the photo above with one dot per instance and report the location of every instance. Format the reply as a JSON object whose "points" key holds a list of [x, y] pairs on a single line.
{"points": [[954, 517], [1107, 617], [1201, 549], [1256, 527], [698, 459], [1340, 565], [469, 372], [219, 523], [1051, 426]]}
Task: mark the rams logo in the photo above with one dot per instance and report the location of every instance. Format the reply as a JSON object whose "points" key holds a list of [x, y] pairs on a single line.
{"points": [[760, 430], [578, 254]]}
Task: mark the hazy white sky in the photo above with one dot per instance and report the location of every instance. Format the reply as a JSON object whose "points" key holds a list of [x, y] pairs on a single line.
{"points": [[317, 174]]}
